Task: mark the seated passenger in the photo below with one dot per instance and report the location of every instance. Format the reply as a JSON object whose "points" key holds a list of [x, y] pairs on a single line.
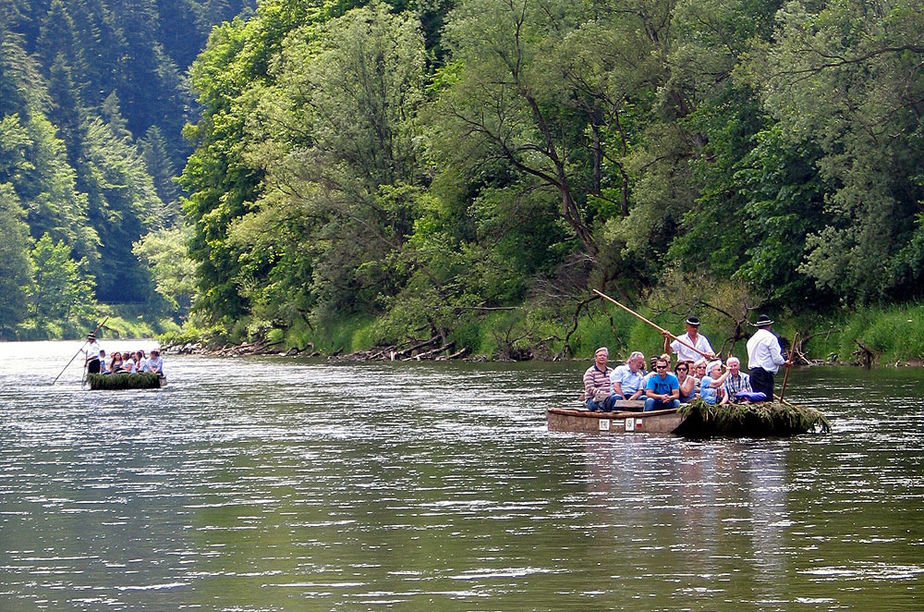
{"points": [[103, 368], [652, 369], [737, 381], [710, 387], [698, 370], [128, 365], [686, 381], [597, 386], [115, 366], [141, 365], [663, 388], [628, 378], [156, 363]]}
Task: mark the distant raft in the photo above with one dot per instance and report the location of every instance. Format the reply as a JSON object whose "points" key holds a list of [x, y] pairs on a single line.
{"points": [[695, 420], [140, 380]]}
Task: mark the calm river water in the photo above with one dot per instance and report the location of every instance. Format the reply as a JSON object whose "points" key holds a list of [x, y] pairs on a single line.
{"points": [[286, 484]]}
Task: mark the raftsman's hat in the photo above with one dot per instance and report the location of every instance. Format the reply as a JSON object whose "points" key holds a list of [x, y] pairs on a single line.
{"points": [[763, 320], [692, 320]]}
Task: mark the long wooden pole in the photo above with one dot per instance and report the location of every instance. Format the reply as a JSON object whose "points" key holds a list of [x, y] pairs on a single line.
{"points": [[657, 327], [792, 353], [80, 350]]}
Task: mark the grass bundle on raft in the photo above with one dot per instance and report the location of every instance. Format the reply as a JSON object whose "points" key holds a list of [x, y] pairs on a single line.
{"points": [[140, 380], [757, 419]]}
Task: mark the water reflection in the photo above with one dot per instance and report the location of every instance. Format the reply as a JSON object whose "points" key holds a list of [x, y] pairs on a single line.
{"points": [[262, 484]]}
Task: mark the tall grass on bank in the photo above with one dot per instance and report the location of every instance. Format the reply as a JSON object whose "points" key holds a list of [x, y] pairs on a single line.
{"points": [[894, 334], [620, 332]]}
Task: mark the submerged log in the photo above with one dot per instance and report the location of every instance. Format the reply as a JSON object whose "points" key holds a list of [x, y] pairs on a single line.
{"points": [[429, 354]]}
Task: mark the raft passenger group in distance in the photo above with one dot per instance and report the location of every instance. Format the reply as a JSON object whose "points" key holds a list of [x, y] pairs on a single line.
{"points": [[697, 373], [133, 362]]}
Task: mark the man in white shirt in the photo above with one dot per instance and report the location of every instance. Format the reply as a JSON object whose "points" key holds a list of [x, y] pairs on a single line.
{"points": [[627, 378], [682, 344], [764, 357], [92, 353]]}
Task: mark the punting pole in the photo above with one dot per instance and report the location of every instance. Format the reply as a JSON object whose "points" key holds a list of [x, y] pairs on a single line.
{"points": [[654, 325], [79, 351], [792, 353]]}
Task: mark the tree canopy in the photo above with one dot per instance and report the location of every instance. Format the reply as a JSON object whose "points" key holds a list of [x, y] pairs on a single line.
{"points": [[535, 149], [426, 165]]}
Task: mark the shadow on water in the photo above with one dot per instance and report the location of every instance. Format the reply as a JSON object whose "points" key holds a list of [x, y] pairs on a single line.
{"points": [[270, 483]]}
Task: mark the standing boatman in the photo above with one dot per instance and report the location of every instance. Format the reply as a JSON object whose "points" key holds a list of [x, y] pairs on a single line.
{"points": [[681, 345], [764, 357], [92, 353]]}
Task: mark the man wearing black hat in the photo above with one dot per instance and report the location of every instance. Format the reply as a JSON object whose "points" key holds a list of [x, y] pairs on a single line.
{"points": [[692, 338], [764, 357], [92, 352]]}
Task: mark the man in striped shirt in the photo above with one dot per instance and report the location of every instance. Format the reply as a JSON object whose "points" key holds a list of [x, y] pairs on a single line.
{"points": [[597, 387]]}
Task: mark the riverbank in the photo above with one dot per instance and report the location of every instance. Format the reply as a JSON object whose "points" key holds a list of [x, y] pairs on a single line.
{"points": [[423, 354], [871, 337]]}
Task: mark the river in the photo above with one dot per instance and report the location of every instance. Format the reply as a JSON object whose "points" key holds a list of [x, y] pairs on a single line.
{"points": [[273, 483]]}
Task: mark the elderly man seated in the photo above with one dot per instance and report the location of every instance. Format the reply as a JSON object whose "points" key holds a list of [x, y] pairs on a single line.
{"points": [[737, 382], [628, 378], [597, 387]]}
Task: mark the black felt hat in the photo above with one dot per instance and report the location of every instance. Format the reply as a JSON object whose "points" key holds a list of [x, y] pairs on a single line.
{"points": [[763, 320], [692, 320]]}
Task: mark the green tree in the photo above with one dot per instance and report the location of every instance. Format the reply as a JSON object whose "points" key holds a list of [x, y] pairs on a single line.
{"points": [[164, 252], [67, 112], [62, 290], [34, 162], [341, 153], [505, 98], [21, 81], [58, 42], [123, 206], [866, 59], [15, 263], [220, 183], [157, 161]]}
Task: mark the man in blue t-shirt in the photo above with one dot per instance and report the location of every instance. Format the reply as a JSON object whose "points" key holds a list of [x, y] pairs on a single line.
{"points": [[663, 389]]}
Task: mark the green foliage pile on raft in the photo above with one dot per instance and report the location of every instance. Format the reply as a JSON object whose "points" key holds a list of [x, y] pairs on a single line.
{"points": [[758, 419], [140, 380]]}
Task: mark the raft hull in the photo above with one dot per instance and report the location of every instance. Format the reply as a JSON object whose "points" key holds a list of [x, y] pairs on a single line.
{"points": [[627, 419]]}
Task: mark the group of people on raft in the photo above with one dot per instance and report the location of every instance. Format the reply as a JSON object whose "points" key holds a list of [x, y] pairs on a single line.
{"points": [[698, 372], [133, 362]]}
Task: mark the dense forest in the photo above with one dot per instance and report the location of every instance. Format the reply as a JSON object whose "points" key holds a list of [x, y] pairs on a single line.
{"points": [[93, 98], [363, 174]]}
